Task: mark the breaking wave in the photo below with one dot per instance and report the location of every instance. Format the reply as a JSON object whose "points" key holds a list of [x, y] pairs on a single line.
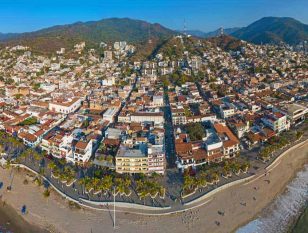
{"points": [[284, 210]]}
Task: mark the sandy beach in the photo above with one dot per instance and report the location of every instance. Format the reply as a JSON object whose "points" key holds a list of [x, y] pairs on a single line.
{"points": [[239, 203], [11, 221]]}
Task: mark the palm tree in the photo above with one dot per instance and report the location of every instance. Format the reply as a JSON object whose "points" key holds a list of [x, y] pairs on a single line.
{"points": [[95, 183], [235, 167], [299, 134], [36, 156], [46, 193], [56, 172], [83, 182], [120, 186], [245, 166], [188, 182], [8, 164], [52, 165], [215, 177], [106, 183], [200, 182]]}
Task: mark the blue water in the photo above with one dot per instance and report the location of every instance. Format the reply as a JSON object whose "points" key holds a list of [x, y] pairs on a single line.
{"points": [[286, 208]]}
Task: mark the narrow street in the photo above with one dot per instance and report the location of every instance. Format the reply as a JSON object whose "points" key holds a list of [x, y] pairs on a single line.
{"points": [[169, 136]]}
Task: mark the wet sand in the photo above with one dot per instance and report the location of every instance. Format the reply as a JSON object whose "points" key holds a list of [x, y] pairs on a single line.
{"points": [[11, 221], [239, 203]]}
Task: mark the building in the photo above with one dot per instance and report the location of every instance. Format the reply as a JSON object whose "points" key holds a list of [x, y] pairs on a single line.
{"points": [[158, 101], [131, 161], [110, 114], [108, 55], [29, 139], [178, 116], [57, 145], [238, 127], [156, 159], [146, 159], [231, 145], [296, 113], [82, 151], [65, 107], [156, 117], [276, 121], [220, 143], [226, 110]]}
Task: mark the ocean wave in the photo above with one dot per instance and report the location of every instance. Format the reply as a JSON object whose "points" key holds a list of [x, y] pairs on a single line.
{"points": [[285, 208]]}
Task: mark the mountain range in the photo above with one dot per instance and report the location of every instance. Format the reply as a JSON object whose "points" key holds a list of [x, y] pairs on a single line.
{"points": [[274, 30], [93, 32], [265, 30]]}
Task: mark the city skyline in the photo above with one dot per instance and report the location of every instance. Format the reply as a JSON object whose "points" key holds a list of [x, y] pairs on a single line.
{"points": [[198, 15]]}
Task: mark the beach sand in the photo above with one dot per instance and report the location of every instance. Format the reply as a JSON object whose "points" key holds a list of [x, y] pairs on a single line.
{"points": [[11, 221], [240, 204]]}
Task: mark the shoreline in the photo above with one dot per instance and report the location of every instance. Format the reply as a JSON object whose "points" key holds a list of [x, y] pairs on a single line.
{"points": [[297, 226], [50, 213], [265, 210], [11, 221]]}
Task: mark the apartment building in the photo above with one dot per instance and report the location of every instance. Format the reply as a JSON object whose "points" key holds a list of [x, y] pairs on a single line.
{"points": [[296, 113], [178, 116], [276, 121], [156, 159], [131, 161]]}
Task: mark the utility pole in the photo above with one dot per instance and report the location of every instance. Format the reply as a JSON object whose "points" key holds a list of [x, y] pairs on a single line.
{"points": [[114, 216]]}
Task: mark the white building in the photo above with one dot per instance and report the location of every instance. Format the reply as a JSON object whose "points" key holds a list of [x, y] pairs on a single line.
{"points": [[158, 100], [156, 117], [83, 151], [156, 159], [110, 114], [65, 107], [276, 121]]}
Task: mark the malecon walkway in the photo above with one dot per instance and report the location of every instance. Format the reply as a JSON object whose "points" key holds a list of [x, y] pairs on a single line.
{"points": [[175, 207]]}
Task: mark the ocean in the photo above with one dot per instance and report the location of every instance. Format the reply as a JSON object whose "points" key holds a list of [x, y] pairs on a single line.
{"points": [[287, 213], [301, 225]]}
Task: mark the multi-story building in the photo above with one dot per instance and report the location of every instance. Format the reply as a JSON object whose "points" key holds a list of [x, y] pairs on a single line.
{"points": [[226, 111], [108, 55], [156, 159], [82, 151], [59, 146], [178, 116], [146, 159], [296, 113], [231, 145], [131, 161], [29, 139], [276, 121]]}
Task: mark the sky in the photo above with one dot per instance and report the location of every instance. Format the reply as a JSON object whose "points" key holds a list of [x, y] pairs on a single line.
{"points": [[205, 15]]}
